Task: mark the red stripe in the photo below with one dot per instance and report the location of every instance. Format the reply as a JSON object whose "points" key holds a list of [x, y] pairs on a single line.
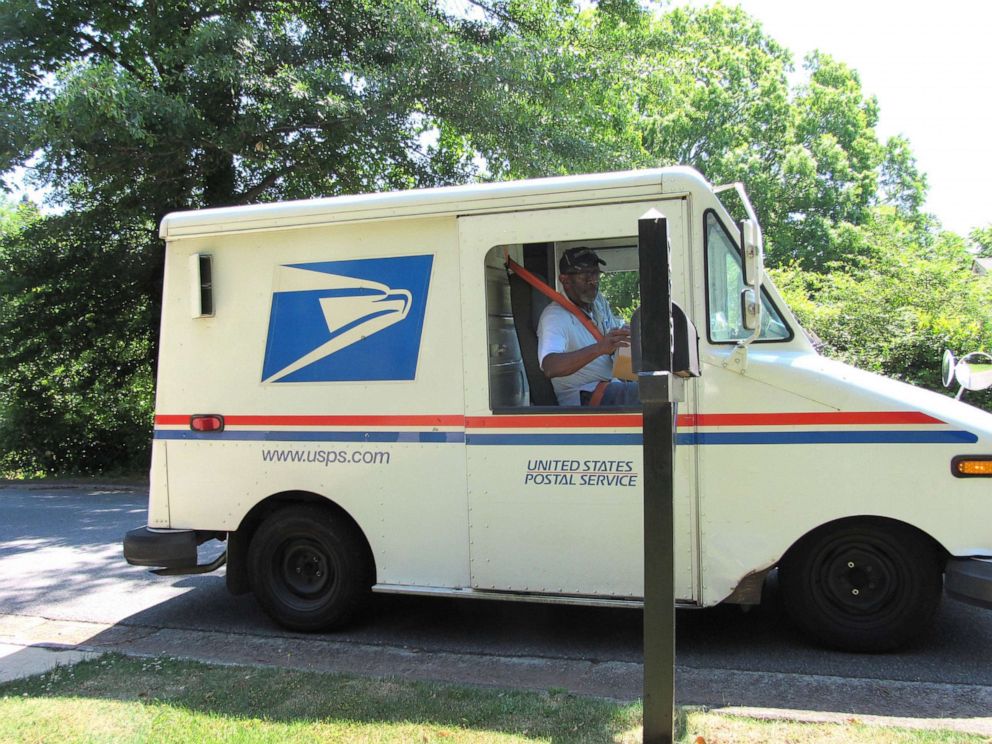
{"points": [[420, 421], [166, 420], [555, 420], [578, 421]]}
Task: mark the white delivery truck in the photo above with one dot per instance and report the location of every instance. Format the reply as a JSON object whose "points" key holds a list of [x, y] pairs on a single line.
{"points": [[348, 395]]}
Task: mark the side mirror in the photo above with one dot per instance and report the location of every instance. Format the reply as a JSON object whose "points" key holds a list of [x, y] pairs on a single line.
{"points": [[752, 247], [947, 368], [973, 371], [750, 309]]}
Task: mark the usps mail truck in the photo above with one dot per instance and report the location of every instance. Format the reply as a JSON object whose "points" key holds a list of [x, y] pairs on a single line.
{"points": [[348, 394]]}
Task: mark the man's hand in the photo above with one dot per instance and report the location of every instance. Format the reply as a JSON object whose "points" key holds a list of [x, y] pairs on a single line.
{"points": [[613, 340]]}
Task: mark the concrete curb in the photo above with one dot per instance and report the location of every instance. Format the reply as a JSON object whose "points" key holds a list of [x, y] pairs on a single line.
{"points": [[32, 645]]}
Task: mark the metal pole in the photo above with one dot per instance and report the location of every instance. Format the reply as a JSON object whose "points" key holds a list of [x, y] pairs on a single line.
{"points": [[657, 390]]}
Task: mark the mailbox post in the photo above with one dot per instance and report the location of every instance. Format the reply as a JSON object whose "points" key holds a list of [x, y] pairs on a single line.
{"points": [[659, 390]]}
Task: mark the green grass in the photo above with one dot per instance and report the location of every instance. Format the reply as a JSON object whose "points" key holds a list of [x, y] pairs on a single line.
{"points": [[715, 727], [118, 699]]}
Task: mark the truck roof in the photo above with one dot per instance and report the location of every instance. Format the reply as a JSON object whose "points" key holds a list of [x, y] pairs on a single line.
{"points": [[468, 199]]}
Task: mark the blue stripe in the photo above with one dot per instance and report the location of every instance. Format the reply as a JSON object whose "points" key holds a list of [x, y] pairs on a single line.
{"points": [[529, 439], [379, 437], [830, 437], [745, 437]]}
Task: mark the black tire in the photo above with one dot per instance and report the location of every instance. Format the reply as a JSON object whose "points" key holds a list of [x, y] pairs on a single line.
{"points": [[862, 585], [309, 569]]}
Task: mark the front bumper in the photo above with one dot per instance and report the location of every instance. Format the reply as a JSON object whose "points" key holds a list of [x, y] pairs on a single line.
{"points": [[170, 552], [969, 580]]}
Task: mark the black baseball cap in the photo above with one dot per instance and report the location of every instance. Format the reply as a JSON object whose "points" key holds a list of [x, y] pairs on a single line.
{"points": [[579, 259]]}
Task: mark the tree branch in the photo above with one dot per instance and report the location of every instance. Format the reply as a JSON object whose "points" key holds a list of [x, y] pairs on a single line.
{"points": [[503, 16], [95, 45], [251, 194]]}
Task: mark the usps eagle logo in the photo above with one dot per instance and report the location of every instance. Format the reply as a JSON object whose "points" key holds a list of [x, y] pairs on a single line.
{"points": [[335, 321]]}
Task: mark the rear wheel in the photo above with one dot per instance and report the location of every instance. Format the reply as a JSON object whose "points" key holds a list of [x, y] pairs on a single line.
{"points": [[862, 586], [310, 570]]}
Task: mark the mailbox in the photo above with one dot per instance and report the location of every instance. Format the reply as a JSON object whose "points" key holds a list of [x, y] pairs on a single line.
{"points": [[685, 343]]}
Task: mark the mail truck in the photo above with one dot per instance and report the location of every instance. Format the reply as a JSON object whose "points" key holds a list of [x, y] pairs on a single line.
{"points": [[348, 397]]}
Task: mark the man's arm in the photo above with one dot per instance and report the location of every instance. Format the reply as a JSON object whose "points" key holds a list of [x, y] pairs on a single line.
{"points": [[568, 362]]}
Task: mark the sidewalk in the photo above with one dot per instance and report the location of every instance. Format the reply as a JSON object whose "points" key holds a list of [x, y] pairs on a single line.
{"points": [[20, 661], [31, 645]]}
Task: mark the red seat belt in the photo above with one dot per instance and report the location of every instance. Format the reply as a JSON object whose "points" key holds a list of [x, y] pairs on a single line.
{"points": [[555, 296]]}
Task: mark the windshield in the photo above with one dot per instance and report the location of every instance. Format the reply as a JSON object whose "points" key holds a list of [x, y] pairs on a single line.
{"points": [[724, 283]]}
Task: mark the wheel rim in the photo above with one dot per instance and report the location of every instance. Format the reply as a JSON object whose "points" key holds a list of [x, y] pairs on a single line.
{"points": [[305, 572], [859, 581]]}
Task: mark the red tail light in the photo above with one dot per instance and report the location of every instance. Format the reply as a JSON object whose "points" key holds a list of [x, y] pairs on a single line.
{"points": [[208, 422]]}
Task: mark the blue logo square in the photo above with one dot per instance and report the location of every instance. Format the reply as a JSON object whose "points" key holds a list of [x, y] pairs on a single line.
{"points": [[338, 321]]}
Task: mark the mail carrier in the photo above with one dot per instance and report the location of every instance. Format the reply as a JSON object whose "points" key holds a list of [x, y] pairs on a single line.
{"points": [[348, 395]]}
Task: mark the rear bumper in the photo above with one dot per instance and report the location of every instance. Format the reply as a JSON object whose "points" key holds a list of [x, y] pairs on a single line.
{"points": [[969, 580], [161, 548]]}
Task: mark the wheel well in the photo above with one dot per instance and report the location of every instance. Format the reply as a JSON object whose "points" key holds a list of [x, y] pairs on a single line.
{"points": [[238, 541], [866, 519]]}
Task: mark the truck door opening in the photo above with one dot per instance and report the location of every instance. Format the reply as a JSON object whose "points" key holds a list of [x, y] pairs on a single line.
{"points": [[514, 309]]}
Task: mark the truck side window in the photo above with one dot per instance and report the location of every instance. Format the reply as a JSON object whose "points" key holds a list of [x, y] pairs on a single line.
{"points": [[514, 307], [724, 283]]}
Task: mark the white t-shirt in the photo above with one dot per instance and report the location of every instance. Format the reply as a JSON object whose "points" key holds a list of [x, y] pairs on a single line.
{"points": [[559, 331]]}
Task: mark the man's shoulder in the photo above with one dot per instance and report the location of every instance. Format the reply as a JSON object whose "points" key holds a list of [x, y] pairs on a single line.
{"points": [[555, 312]]}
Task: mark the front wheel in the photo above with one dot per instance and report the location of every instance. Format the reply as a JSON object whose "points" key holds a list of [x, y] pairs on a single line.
{"points": [[309, 569], [862, 586]]}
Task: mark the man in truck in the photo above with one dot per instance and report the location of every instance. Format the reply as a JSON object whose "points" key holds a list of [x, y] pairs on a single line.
{"points": [[576, 345]]}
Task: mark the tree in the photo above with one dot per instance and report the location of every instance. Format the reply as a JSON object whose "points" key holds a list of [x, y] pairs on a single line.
{"points": [[180, 105], [75, 373], [863, 265], [132, 109], [981, 238], [15, 217], [713, 91], [902, 185]]}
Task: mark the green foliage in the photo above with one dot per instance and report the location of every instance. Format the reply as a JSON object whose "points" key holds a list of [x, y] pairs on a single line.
{"points": [[180, 105], [623, 291], [14, 217], [864, 268], [76, 383], [897, 313], [981, 238], [711, 89], [132, 109]]}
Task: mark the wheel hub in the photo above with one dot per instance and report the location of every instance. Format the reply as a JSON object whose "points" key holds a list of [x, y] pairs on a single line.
{"points": [[859, 579], [305, 569]]}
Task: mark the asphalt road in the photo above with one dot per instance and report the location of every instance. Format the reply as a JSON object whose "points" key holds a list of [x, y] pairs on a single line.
{"points": [[60, 559]]}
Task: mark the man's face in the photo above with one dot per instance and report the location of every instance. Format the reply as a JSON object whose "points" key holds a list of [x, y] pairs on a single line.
{"points": [[582, 287]]}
